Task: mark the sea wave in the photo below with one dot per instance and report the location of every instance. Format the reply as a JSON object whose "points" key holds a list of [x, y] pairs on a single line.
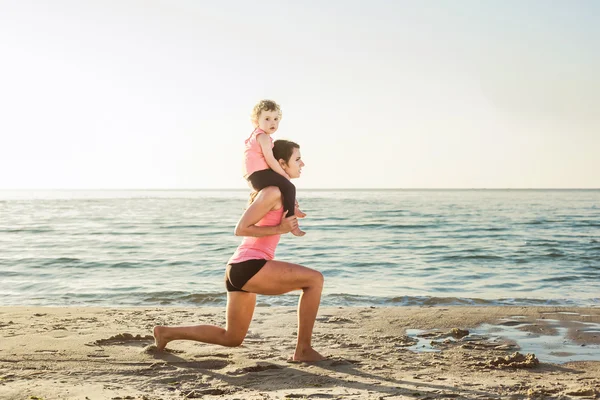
{"points": [[407, 247]]}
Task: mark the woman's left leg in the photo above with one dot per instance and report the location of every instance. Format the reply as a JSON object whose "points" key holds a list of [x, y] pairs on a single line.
{"points": [[278, 277], [240, 308]]}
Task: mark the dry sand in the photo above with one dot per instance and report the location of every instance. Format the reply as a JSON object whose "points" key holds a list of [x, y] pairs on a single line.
{"points": [[97, 353]]}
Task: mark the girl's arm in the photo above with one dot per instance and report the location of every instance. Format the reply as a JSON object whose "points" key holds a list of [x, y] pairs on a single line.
{"points": [[265, 145], [264, 202]]}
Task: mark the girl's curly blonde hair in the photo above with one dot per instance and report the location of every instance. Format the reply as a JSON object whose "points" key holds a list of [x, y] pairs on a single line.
{"points": [[264, 105]]}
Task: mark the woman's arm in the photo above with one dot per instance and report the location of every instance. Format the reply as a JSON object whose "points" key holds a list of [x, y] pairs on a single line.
{"points": [[264, 202], [265, 145]]}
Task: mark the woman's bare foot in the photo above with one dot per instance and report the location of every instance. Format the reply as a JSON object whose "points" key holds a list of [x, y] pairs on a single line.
{"points": [[307, 355], [298, 232], [159, 338]]}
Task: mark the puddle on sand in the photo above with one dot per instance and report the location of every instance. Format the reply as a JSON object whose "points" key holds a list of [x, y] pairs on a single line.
{"points": [[561, 312], [423, 345], [546, 338]]}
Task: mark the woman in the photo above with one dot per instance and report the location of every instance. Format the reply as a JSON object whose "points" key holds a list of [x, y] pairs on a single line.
{"points": [[252, 270]]}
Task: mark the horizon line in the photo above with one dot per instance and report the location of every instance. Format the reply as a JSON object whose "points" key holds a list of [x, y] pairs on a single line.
{"points": [[314, 189]]}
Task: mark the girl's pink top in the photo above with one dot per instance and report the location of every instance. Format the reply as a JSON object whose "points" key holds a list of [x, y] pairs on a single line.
{"points": [[259, 248], [254, 159]]}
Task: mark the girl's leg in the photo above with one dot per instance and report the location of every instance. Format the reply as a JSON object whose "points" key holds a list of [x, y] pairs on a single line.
{"points": [[240, 308], [278, 277]]}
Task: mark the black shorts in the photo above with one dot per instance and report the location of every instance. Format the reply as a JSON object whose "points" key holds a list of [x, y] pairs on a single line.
{"points": [[237, 274]]}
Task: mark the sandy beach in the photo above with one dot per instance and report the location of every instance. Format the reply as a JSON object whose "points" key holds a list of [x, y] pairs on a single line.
{"points": [[102, 353]]}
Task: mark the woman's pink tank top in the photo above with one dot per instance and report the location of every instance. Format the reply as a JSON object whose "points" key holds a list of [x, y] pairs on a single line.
{"points": [[254, 159], [259, 248]]}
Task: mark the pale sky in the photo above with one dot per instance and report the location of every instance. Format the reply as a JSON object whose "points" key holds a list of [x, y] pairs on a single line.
{"points": [[101, 94]]}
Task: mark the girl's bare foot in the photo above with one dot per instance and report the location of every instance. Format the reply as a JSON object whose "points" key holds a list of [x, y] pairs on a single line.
{"points": [[298, 213], [307, 355], [159, 338], [298, 232]]}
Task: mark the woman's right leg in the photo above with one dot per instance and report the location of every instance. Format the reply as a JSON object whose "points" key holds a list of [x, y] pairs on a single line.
{"points": [[240, 308], [278, 277]]}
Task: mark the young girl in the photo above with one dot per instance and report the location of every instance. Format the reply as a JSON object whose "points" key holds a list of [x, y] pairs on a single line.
{"points": [[260, 167]]}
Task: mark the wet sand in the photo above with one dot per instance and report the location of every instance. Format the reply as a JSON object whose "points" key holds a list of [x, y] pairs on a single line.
{"points": [[374, 353]]}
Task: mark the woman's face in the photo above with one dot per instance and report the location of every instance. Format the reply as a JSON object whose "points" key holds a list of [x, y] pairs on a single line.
{"points": [[294, 165]]}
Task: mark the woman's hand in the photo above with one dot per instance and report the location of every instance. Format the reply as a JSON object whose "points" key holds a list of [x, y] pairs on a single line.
{"points": [[288, 224]]}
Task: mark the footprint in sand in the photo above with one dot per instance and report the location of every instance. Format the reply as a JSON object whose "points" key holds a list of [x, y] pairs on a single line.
{"points": [[218, 355], [252, 337], [175, 379], [261, 356], [204, 364], [124, 338], [152, 349], [255, 368], [335, 320], [208, 364], [343, 361]]}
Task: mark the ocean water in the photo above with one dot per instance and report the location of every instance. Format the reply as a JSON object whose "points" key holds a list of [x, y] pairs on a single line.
{"points": [[374, 247]]}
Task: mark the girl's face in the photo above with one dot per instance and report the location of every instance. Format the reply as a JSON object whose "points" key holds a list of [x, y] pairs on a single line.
{"points": [[295, 164], [268, 121]]}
